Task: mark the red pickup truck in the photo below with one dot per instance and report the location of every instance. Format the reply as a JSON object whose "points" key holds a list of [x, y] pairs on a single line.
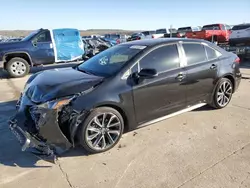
{"points": [[217, 33]]}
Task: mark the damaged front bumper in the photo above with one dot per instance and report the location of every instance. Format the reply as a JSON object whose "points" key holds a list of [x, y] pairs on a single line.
{"points": [[42, 137]]}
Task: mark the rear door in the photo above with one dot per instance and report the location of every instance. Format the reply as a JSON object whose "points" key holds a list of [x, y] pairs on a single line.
{"points": [[164, 94], [201, 67], [43, 51]]}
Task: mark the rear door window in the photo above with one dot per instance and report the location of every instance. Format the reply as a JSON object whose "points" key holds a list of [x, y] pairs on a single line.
{"points": [[195, 53], [162, 59]]}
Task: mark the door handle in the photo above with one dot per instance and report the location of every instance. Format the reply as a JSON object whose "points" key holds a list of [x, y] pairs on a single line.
{"points": [[180, 76], [213, 66]]}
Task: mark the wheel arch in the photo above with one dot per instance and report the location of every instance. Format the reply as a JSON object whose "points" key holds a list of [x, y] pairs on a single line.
{"points": [[74, 130], [20, 54], [231, 78], [228, 76], [120, 110]]}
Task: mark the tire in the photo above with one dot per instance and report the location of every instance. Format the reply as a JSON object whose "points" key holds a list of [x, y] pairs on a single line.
{"points": [[226, 94], [17, 67], [93, 141]]}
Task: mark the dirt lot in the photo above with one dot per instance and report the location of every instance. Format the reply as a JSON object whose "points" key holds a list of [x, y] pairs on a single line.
{"points": [[204, 148]]}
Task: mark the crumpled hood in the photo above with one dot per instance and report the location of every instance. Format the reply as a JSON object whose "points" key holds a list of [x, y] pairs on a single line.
{"points": [[57, 83]]}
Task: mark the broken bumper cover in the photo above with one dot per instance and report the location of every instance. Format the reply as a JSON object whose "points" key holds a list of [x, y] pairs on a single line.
{"points": [[47, 143]]}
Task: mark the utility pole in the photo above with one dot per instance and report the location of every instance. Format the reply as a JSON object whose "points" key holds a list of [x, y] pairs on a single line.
{"points": [[171, 31]]}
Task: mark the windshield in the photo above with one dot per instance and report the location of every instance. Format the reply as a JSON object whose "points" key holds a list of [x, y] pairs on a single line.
{"points": [[211, 27], [161, 31], [110, 61], [114, 36], [239, 27], [136, 34], [148, 32], [184, 29], [30, 35]]}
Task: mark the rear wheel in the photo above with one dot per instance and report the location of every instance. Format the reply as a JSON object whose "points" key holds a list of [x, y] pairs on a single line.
{"points": [[101, 130], [223, 93], [17, 67]]}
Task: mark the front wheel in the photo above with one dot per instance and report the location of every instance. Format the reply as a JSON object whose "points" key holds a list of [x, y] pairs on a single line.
{"points": [[223, 93], [17, 67], [101, 130]]}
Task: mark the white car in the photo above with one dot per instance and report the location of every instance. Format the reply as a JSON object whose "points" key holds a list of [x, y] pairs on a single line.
{"points": [[159, 33], [240, 34]]}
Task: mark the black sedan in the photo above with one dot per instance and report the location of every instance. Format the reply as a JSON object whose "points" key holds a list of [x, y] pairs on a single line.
{"points": [[122, 88]]}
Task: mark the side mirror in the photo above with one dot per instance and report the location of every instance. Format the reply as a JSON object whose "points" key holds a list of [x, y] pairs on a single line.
{"points": [[148, 73]]}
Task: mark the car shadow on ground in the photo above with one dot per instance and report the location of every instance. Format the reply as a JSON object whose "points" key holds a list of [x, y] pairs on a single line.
{"points": [[4, 74]]}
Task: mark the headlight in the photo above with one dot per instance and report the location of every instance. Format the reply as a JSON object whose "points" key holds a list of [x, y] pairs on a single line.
{"points": [[39, 113], [56, 104]]}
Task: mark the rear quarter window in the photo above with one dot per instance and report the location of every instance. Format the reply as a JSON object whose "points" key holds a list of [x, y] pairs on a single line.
{"points": [[212, 53]]}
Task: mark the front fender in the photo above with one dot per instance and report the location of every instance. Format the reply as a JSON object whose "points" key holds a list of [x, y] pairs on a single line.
{"points": [[6, 54]]}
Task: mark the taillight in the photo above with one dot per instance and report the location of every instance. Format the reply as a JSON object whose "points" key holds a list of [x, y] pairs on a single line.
{"points": [[237, 60], [138, 38], [118, 41]]}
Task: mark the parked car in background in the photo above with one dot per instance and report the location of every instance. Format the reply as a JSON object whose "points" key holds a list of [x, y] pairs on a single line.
{"points": [[91, 36], [217, 33], [94, 102], [41, 47], [172, 33], [181, 32], [120, 38], [111, 41], [94, 46], [148, 33], [159, 33], [154, 34], [240, 35], [136, 36]]}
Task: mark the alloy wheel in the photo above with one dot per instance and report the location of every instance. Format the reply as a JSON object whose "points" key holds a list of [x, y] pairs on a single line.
{"points": [[224, 93], [103, 131], [18, 68]]}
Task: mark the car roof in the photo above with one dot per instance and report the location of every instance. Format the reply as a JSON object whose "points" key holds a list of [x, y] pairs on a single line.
{"points": [[154, 42]]}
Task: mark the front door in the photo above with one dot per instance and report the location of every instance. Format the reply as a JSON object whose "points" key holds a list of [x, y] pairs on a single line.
{"points": [[43, 51], [163, 94], [201, 69]]}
